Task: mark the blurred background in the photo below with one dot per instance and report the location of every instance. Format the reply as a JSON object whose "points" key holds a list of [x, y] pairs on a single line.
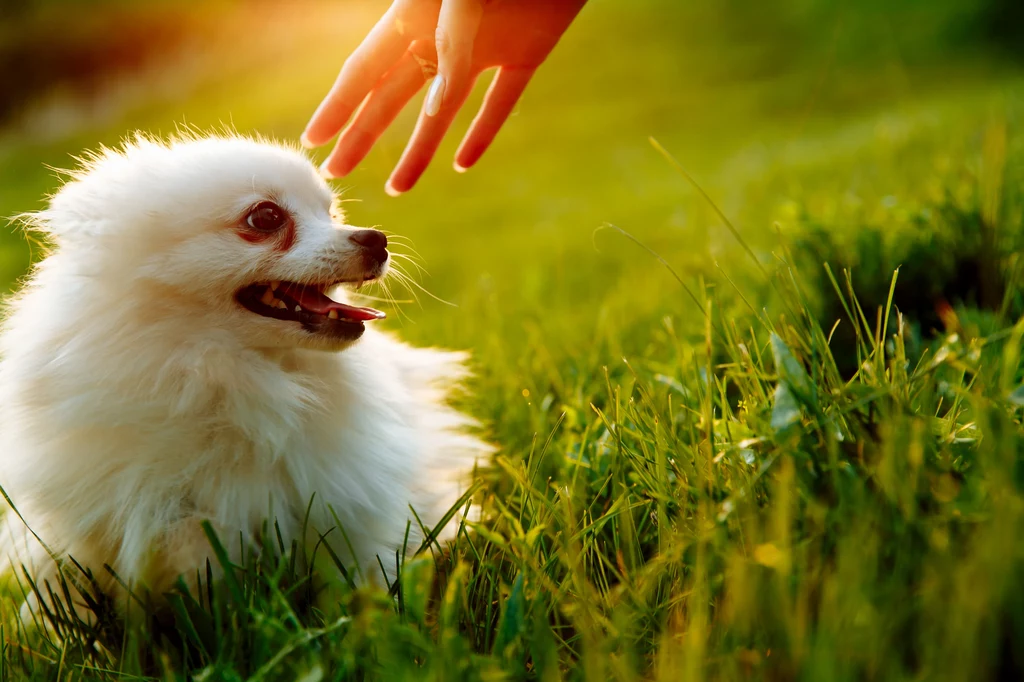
{"points": [[801, 119]]}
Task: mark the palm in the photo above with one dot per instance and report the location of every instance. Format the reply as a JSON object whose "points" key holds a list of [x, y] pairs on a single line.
{"points": [[400, 55]]}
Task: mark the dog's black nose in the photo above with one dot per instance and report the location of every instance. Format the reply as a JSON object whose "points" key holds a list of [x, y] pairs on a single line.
{"points": [[373, 241]]}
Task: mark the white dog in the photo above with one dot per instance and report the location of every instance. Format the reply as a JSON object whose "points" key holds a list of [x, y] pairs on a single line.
{"points": [[177, 358]]}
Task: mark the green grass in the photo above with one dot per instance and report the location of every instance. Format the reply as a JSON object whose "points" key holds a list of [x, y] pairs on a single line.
{"points": [[700, 476]]}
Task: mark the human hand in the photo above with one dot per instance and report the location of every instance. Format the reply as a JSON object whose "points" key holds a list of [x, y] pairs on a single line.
{"points": [[457, 39]]}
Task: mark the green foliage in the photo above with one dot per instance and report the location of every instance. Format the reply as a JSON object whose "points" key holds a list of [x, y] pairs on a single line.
{"points": [[700, 523]]}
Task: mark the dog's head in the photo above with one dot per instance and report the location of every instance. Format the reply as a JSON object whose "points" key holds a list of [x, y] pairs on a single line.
{"points": [[229, 233]]}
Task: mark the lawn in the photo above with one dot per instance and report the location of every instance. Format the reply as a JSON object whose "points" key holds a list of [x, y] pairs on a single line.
{"points": [[742, 288]]}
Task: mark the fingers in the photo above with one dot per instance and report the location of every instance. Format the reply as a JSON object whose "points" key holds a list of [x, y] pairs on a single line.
{"points": [[360, 72], [381, 107], [426, 138], [457, 24], [501, 98]]}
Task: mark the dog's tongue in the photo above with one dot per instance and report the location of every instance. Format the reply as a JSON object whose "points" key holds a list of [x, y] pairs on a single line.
{"points": [[316, 302]]}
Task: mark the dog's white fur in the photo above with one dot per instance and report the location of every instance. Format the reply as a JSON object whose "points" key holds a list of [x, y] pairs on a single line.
{"points": [[138, 398]]}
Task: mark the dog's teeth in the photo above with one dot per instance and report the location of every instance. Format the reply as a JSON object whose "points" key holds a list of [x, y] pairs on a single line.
{"points": [[274, 285], [333, 315], [268, 298], [281, 304], [298, 308]]}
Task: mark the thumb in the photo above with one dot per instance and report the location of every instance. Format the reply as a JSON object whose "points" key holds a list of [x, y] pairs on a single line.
{"points": [[457, 24]]}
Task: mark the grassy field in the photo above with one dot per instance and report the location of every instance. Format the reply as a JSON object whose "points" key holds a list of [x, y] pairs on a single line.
{"points": [[719, 458]]}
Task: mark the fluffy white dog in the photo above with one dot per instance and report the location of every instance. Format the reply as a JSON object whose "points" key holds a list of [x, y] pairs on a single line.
{"points": [[184, 354]]}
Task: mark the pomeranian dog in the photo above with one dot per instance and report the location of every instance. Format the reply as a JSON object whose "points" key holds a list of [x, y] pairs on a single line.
{"points": [[186, 353]]}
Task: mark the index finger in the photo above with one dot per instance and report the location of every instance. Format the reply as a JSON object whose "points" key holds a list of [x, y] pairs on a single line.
{"points": [[381, 48]]}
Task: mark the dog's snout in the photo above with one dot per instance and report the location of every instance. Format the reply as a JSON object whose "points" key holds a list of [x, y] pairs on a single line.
{"points": [[373, 241]]}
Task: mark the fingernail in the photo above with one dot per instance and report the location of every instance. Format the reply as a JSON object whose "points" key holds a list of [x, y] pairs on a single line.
{"points": [[391, 191], [325, 172], [304, 141], [435, 95], [458, 168]]}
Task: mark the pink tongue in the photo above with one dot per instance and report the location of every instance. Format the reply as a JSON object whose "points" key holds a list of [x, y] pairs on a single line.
{"points": [[315, 302]]}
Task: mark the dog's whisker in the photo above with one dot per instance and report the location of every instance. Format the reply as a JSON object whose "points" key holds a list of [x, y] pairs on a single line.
{"points": [[401, 256], [404, 280], [416, 284], [385, 298], [386, 288], [410, 250]]}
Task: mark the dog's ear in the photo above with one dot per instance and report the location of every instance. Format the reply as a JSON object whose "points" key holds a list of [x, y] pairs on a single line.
{"points": [[79, 209], [50, 227], [63, 221], [34, 222]]}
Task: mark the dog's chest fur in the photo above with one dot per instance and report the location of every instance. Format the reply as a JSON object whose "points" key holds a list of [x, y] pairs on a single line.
{"points": [[304, 439]]}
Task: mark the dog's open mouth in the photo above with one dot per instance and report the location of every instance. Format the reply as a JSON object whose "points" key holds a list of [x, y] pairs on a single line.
{"points": [[307, 304]]}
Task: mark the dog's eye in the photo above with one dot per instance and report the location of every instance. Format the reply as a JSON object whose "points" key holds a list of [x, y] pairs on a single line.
{"points": [[266, 216]]}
